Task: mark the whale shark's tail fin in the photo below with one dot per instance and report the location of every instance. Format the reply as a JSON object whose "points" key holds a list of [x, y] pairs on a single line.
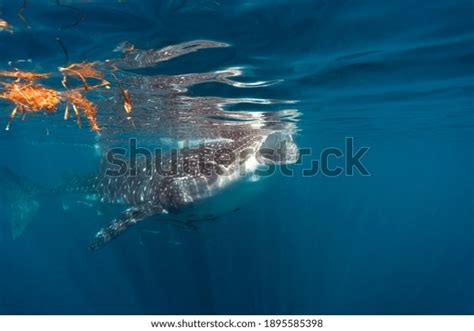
{"points": [[129, 218], [18, 201]]}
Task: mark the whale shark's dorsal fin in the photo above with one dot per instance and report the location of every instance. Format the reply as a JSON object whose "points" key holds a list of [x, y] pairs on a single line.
{"points": [[128, 218]]}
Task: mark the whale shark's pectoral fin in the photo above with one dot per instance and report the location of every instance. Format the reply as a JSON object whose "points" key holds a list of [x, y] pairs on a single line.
{"points": [[129, 218]]}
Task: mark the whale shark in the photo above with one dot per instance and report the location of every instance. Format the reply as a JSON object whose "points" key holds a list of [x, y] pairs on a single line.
{"points": [[185, 178]]}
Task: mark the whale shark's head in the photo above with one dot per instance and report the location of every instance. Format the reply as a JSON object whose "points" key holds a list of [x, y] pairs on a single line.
{"points": [[278, 148]]}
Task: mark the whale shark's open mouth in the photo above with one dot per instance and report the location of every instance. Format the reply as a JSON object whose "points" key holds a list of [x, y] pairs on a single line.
{"points": [[278, 148]]}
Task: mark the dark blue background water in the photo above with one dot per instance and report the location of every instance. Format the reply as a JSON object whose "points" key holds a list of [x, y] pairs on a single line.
{"points": [[397, 76]]}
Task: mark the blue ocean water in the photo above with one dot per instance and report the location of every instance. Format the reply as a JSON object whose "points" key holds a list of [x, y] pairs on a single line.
{"points": [[396, 76]]}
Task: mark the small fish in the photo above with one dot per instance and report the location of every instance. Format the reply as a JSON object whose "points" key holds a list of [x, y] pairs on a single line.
{"points": [[175, 242], [151, 231]]}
